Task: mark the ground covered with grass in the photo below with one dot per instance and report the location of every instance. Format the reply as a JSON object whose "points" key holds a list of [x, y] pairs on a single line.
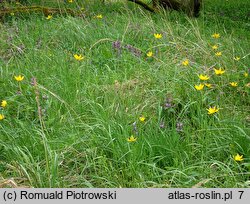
{"points": [[120, 97]]}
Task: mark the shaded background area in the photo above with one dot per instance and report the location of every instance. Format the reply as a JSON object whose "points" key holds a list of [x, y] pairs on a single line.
{"points": [[231, 13], [237, 12]]}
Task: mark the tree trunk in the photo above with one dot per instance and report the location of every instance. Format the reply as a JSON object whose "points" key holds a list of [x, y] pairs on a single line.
{"points": [[190, 7]]}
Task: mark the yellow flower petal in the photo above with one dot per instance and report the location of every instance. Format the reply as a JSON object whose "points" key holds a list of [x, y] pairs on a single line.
{"points": [[238, 157], [149, 54], [218, 54], [4, 103], [78, 57], [1, 117], [236, 58], [142, 119], [185, 62], [19, 78], [199, 87], [99, 16], [158, 35], [233, 84], [215, 47], [212, 110], [49, 17], [216, 35], [131, 139], [219, 71], [203, 77], [208, 85]]}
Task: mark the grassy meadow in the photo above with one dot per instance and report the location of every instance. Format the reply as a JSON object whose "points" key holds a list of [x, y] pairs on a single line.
{"points": [[121, 97]]}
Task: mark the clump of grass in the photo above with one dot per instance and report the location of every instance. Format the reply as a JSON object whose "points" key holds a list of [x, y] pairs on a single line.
{"points": [[119, 101]]}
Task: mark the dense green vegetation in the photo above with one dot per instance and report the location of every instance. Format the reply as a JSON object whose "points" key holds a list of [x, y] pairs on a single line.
{"points": [[69, 121]]}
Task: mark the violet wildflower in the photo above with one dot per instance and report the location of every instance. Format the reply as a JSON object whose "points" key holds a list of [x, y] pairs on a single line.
{"points": [[168, 103], [33, 81], [162, 124], [179, 126], [117, 46], [19, 92]]}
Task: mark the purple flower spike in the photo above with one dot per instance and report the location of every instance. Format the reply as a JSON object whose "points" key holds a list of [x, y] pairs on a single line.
{"points": [[117, 46]]}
